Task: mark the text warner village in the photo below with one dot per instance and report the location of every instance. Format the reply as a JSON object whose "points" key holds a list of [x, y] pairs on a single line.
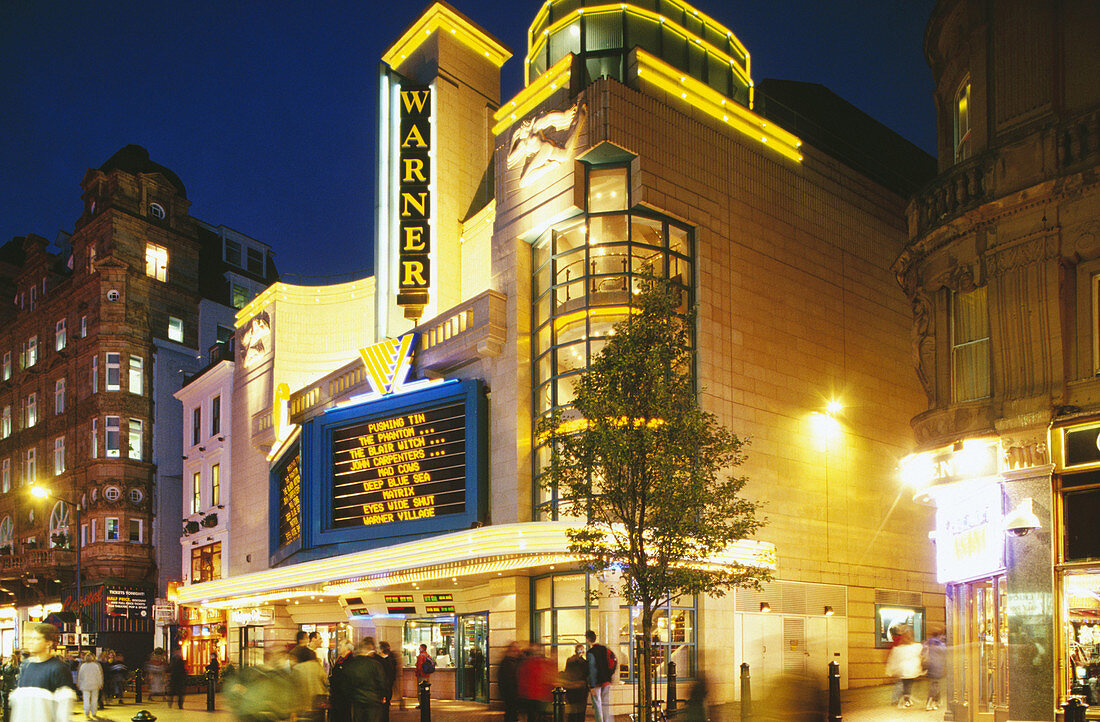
{"points": [[400, 468]]}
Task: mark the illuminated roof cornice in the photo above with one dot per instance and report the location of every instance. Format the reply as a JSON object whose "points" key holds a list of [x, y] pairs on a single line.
{"points": [[475, 551], [531, 97], [741, 68], [321, 295], [656, 72], [443, 18]]}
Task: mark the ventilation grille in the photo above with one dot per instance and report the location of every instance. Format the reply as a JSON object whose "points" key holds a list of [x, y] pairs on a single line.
{"points": [[895, 596], [794, 598]]}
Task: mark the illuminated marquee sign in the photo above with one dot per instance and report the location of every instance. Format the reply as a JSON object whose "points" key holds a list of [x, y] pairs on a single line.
{"points": [[288, 484], [398, 598], [438, 598], [440, 609], [400, 467], [969, 532], [414, 205]]}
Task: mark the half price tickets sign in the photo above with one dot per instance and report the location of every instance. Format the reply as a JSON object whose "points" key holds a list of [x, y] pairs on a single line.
{"points": [[400, 468]]}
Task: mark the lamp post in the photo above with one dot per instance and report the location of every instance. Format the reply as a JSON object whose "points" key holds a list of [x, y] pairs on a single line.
{"points": [[43, 493]]}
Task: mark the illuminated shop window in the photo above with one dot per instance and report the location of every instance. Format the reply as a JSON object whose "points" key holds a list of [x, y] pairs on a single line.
{"points": [[962, 122], [156, 261], [1081, 617], [674, 639], [561, 613], [586, 272], [969, 345]]}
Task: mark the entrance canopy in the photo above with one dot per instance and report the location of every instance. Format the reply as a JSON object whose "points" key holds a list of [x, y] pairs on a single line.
{"points": [[467, 554]]}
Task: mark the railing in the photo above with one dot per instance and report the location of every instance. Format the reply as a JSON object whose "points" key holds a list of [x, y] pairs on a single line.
{"points": [[951, 194], [38, 559], [475, 329]]}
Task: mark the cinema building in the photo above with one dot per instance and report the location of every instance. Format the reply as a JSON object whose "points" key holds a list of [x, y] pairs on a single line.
{"points": [[386, 473], [1002, 271]]}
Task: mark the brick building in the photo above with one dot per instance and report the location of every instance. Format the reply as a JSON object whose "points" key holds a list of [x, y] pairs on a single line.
{"points": [[96, 332]]}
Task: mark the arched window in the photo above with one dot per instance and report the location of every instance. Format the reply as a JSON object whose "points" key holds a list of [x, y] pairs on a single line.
{"points": [[59, 526]]}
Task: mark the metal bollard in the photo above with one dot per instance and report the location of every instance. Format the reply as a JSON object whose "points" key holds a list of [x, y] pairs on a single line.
{"points": [[834, 691], [143, 716], [746, 693], [559, 704], [1074, 710], [211, 684], [670, 693], [424, 689], [137, 685]]}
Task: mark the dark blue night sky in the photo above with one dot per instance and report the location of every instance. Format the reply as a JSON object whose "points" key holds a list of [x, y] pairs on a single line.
{"points": [[266, 109]]}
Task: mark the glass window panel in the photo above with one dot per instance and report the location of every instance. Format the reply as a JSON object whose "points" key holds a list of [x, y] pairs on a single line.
{"points": [[543, 339], [572, 624], [569, 237], [608, 259], [649, 231], [564, 41], [718, 74], [542, 313], [678, 240], [545, 631], [642, 32], [569, 591], [562, 652], [570, 267], [671, 11], [569, 358], [970, 345], [697, 60], [571, 329], [543, 280], [565, 393], [660, 625], [538, 62], [607, 229], [642, 256], [718, 39], [603, 31], [542, 249], [603, 66], [563, 8], [693, 24], [570, 295], [543, 400], [543, 368], [542, 593], [602, 326], [679, 270], [595, 346], [673, 48]]}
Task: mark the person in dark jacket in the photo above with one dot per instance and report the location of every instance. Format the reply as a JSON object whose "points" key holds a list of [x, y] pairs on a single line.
{"points": [[339, 704], [177, 677], [575, 681], [934, 658], [508, 681], [362, 680], [389, 664]]}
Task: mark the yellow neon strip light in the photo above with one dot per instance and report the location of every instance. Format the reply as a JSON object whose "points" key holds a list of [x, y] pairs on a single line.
{"points": [[441, 18], [562, 321], [530, 97], [741, 69], [657, 72], [462, 550], [707, 21]]}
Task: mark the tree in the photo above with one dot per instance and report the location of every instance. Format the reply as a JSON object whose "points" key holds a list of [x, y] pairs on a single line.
{"points": [[647, 469]]}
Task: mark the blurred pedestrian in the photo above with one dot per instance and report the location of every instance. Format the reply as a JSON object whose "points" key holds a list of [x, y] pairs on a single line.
{"points": [[363, 680], [601, 669], [792, 698], [537, 677], [904, 663], [89, 680], [301, 651], [311, 685], [695, 708], [44, 692], [261, 693], [575, 681], [118, 677], [508, 681], [156, 671], [9, 675], [389, 664], [339, 703], [934, 659], [177, 677], [104, 662]]}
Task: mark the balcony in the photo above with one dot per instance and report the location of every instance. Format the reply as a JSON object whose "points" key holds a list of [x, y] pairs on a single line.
{"points": [[37, 561]]}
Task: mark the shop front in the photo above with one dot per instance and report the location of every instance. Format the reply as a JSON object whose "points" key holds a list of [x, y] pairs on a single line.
{"points": [[202, 637]]}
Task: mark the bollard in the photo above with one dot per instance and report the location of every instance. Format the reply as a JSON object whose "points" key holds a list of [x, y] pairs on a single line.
{"points": [[559, 704], [137, 685], [143, 716], [1074, 710], [834, 691], [746, 693], [425, 691], [670, 693], [211, 684]]}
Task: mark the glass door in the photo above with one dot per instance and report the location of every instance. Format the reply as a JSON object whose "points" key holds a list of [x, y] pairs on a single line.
{"points": [[472, 669]]}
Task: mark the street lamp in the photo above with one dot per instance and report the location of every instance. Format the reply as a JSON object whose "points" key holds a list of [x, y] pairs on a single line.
{"points": [[43, 493]]}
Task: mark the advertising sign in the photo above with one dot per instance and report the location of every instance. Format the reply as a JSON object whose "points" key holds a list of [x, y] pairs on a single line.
{"points": [[969, 531], [127, 602], [414, 192]]}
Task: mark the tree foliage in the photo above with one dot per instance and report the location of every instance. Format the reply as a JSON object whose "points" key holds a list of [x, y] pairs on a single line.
{"points": [[647, 469]]}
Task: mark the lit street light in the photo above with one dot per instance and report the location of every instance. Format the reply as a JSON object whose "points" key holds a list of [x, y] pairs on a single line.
{"points": [[43, 493]]}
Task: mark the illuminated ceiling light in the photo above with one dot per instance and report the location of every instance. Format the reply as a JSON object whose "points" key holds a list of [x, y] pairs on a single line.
{"points": [[765, 607], [834, 407], [828, 611]]}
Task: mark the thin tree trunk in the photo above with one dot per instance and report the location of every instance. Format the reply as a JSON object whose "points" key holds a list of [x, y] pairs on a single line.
{"points": [[647, 663]]}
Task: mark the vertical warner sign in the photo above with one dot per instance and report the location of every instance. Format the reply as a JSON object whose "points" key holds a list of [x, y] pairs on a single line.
{"points": [[414, 205]]}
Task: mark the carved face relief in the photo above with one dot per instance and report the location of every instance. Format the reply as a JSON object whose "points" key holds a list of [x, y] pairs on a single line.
{"points": [[543, 143]]}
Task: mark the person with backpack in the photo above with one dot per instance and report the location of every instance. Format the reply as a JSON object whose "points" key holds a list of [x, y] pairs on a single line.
{"points": [[602, 666], [425, 665]]}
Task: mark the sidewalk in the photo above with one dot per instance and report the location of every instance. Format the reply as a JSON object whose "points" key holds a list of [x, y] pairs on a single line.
{"points": [[868, 704]]}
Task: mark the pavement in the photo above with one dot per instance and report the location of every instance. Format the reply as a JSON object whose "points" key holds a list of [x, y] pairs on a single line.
{"points": [[868, 704]]}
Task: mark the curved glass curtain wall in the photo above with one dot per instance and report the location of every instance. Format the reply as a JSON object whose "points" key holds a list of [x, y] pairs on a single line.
{"points": [[586, 270], [603, 34]]}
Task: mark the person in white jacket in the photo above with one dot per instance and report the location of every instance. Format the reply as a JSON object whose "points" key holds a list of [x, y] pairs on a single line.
{"points": [[89, 678], [904, 663], [44, 692]]}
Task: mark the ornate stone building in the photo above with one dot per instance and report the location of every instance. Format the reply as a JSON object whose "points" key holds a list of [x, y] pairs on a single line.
{"points": [[1002, 271]]}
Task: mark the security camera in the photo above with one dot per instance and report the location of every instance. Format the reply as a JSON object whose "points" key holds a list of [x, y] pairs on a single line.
{"points": [[1021, 521]]}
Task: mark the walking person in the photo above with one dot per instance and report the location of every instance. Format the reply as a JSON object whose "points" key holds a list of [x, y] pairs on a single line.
{"points": [[575, 679], [156, 671], [601, 669], [934, 657], [389, 664], [339, 702], [508, 681], [904, 663], [118, 677], [44, 692], [9, 676], [89, 680], [537, 677], [363, 679], [177, 677]]}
